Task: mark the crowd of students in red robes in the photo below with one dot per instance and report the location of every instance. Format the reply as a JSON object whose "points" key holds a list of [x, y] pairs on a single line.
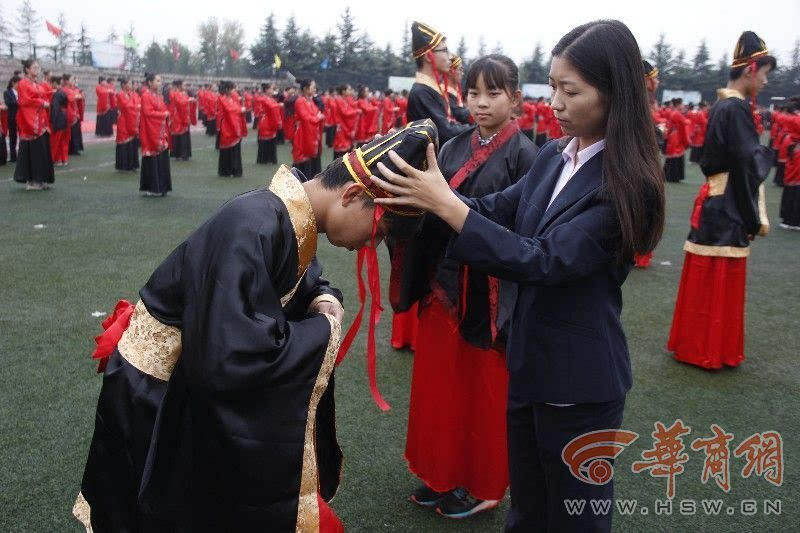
{"points": [[785, 142]]}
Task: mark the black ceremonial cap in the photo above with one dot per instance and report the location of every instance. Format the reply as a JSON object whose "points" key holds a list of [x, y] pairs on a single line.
{"points": [[750, 48], [410, 143], [650, 71], [423, 39]]}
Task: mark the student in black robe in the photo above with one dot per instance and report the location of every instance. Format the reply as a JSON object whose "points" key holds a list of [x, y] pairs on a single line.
{"points": [[564, 236], [429, 95], [217, 406], [729, 212], [456, 444]]}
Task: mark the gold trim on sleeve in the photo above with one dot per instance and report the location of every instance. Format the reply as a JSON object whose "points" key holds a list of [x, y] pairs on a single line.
{"points": [[717, 184], [762, 211], [291, 192], [83, 512], [150, 346], [715, 251], [307, 505], [325, 298]]}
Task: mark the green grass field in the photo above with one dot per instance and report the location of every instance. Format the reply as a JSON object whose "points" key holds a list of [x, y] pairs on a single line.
{"points": [[101, 240]]}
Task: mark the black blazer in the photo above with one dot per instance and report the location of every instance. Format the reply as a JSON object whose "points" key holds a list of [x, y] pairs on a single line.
{"points": [[566, 343], [10, 100]]}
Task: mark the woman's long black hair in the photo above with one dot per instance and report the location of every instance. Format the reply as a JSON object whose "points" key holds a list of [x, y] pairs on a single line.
{"points": [[607, 56]]}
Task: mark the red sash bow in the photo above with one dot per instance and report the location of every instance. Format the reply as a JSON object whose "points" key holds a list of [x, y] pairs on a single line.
{"points": [[114, 327], [702, 194]]}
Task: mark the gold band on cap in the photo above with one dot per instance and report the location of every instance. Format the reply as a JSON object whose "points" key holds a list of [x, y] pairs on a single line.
{"points": [[743, 62], [652, 74]]}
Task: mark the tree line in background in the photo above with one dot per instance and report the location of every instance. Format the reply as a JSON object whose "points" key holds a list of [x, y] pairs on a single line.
{"points": [[346, 54]]}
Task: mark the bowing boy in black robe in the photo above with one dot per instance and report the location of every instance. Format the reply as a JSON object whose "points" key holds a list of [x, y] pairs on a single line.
{"points": [[216, 411]]}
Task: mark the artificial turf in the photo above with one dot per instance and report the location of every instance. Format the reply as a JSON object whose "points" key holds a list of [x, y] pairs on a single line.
{"points": [[100, 241]]}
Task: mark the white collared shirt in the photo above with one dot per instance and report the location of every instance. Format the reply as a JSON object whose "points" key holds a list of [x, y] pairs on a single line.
{"points": [[571, 166]]}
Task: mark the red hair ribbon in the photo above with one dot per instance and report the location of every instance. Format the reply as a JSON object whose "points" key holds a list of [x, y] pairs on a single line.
{"points": [[702, 194], [114, 327], [370, 255], [753, 107]]}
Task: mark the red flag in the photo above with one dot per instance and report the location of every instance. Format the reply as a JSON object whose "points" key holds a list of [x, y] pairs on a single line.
{"points": [[176, 51], [234, 54], [52, 28]]}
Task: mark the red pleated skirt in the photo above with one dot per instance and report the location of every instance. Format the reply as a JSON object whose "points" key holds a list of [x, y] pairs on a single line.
{"points": [[329, 522], [708, 324], [457, 413], [404, 329]]}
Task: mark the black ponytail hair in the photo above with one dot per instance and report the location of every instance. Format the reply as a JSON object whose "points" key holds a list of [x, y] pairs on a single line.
{"points": [[499, 72], [607, 56], [27, 64]]}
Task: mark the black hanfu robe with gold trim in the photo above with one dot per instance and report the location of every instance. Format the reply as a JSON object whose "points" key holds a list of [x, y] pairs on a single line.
{"points": [[217, 411], [464, 317], [425, 100], [708, 322]]}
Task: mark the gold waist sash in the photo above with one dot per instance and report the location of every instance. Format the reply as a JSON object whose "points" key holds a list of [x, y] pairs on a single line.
{"points": [[717, 184], [149, 345]]}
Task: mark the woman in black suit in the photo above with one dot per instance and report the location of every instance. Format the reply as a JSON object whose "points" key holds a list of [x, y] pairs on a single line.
{"points": [[12, 105], [565, 234]]}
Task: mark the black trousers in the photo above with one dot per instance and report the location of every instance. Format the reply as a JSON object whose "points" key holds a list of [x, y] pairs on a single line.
{"points": [[12, 140], [540, 480], [337, 155]]}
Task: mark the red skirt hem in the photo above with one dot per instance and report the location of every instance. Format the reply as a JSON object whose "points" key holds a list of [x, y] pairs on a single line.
{"points": [[457, 411], [404, 329], [708, 323]]}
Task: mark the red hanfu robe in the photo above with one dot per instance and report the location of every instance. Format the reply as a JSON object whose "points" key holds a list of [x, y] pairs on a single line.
{"points": [[402, 104], [678, 134], [390, 110], [330, 119], [346, 117], [229, 121], [47, 93], [31, 113], [126, 122], [153, 130], [193, 111], [178, 112], [270, 120], [307, 134], [364, 126], [81, 104], [103, 100], [527, 119]]}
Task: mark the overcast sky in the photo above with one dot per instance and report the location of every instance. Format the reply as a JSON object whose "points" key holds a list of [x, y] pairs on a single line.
{"points": [[516, 25]]}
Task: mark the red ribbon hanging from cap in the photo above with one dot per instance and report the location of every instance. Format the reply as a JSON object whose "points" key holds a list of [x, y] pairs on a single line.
{"points": [[368, 254], [114, 327], [436, 76], [753, 107]]}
